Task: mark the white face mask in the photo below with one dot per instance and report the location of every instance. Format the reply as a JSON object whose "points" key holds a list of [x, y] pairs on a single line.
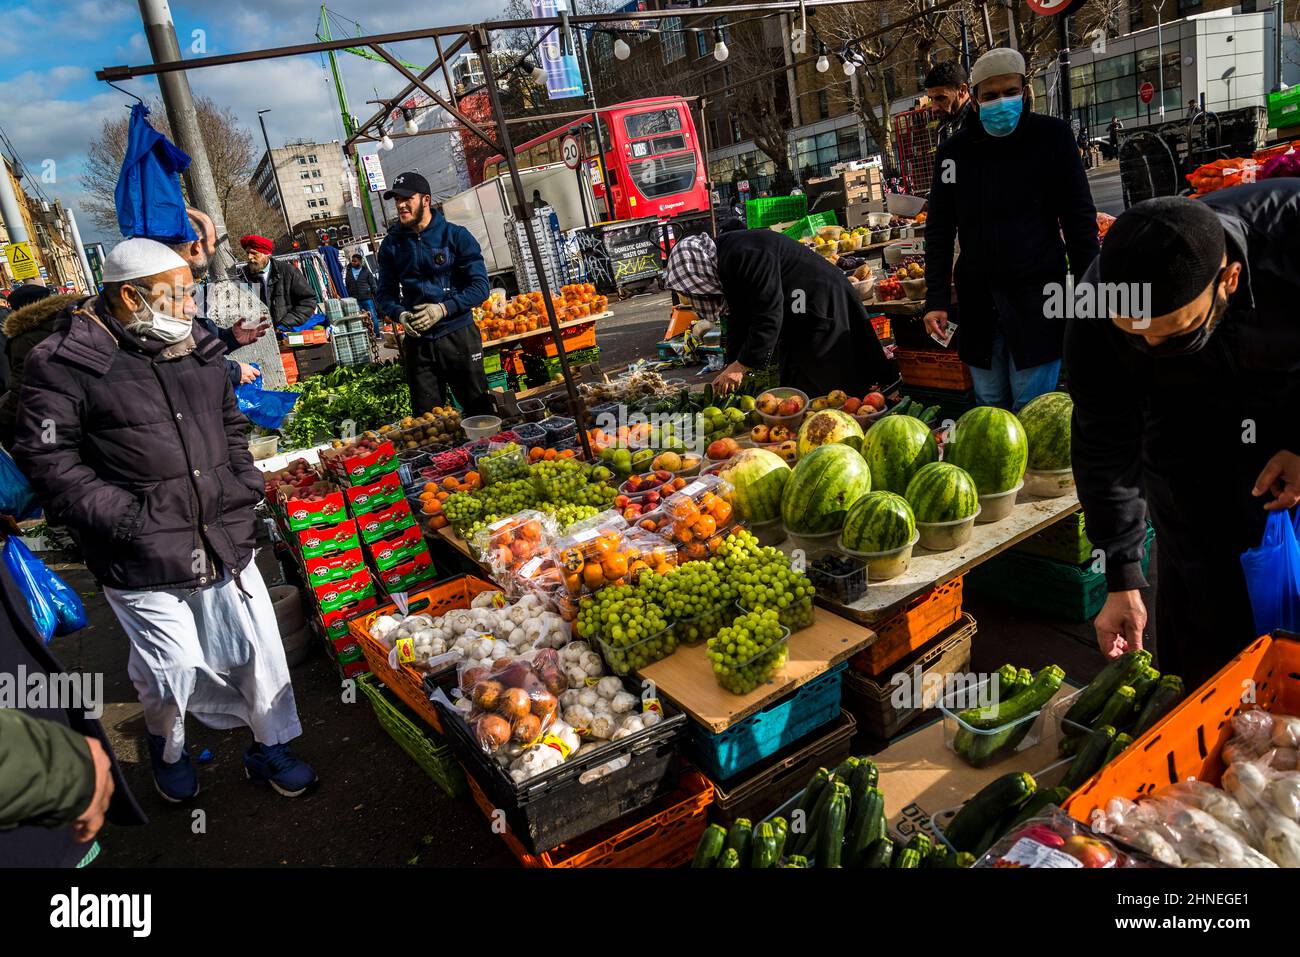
{"points": [[168, 328]]}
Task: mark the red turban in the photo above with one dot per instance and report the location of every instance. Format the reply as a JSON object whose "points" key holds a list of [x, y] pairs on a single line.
{"points": [[259, 243]]}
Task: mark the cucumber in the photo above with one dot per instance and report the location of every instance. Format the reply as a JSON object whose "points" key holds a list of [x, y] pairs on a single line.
{"points": [[1119, 709], [830, 838], [867, 828], [941, 857], [1042, 687], [1090, 757], [796, 861], [1122, 671], [845, 769], [909, 859], [808, 839], [710, 847], [873, 772], [879, 854], [741, 839], [983, 811], [730, 859], [931, 415], [802, 816], [764, 854], [1069, 743], [782, 830], [858, 790], [1166, 694], [1037, 803], [1117, 746]]}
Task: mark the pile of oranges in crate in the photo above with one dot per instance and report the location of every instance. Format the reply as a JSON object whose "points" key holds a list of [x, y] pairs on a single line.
{"points": [[613, 558], [498, 317]]}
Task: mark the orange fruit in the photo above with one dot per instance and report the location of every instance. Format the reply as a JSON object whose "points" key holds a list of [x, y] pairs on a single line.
{"points": [[592, 576], [615, 566]]}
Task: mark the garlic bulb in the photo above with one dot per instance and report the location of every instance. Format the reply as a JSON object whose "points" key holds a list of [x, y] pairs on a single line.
{"points": [[608, 687], [622, 702]]}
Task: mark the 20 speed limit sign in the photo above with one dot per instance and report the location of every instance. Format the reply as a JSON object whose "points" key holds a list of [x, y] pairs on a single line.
{"points": [[570, 152]]}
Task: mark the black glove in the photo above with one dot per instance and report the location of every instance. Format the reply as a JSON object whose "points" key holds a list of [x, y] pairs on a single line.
{"points": [[131, 523]]}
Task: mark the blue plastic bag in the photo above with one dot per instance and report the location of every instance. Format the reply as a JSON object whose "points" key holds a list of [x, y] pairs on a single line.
{"points": [[1273, 576], [27, 571], [262, 406], [16, 495], [314, 321]]}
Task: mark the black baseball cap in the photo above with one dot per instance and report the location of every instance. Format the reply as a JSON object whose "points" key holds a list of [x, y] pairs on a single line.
{"points": [[408, 184]]}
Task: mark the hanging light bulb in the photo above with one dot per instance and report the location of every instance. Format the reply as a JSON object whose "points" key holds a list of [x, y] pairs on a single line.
{"points": [[387, 142], [621, 50], [849, 68], [720, 51], [409, 126], [823, 61]]}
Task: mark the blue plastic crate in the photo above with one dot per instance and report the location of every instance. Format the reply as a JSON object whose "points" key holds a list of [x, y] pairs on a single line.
{"points": [[761, 735]]}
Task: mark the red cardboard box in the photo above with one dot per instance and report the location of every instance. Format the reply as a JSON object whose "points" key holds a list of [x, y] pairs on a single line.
{"points": [[385, 522], [363, 499], [364, 468], [408, 575], [403, 547], [339, 594], [315, 542], [335, 623], [325, 507]]}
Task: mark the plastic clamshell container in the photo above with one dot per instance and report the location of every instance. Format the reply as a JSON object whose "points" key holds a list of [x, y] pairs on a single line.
{"points": [[691, 465], [997, 506], [685, 502], [795, 617], [945, 536], [558, 428], [640, 495], [624, 659], [1045, 484], [529, 434], [1023, 732], [701, 627], [844, 587], [813, 546], [533, 410], [264, 446], [502, 464], [789, 421], [764, 664], [1049, 777], [1056, 716], [882, 566], [480, 426]]}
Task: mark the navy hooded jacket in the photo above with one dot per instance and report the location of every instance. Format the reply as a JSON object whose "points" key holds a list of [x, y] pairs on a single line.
{"points": [[441, 263]]}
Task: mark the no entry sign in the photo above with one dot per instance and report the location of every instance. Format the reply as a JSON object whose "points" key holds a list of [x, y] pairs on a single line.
{"points": [[1146, 91], [1051, 8]]}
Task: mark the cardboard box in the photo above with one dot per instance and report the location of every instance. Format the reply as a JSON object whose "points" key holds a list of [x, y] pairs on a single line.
{"points": [[340, 566], [369, 498], [363, 469], [316, 542], [408, 575], [334, 595], [335, 623], [300, 513], [392, 551], [385, 522]]}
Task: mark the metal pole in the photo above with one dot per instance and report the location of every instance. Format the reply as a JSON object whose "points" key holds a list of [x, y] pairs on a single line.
{"points": [[349, 127], [1160, 55], [81, 249], [446, 74], [595, 124], [965, 41], [988, 27], [708, 169], [523, 210], [175, 87], [1063, 59], [1277, 45], [275, 173], [9, 208]]}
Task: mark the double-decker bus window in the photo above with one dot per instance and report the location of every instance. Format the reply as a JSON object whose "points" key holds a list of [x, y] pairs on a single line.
{"points": [[667, 144], [665, 175], [652, 122]]}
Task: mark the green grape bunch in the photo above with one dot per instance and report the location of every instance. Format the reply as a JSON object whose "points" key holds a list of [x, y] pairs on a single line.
{"points": [[749, 651], [630, 631]]}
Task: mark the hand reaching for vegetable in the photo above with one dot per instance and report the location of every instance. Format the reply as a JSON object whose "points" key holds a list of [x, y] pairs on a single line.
{"points": [[1120, 623], [1281, 476], [729, 379]]}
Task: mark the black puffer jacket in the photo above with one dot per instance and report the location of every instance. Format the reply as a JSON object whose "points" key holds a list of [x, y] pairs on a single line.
{"points": [[145, 458], [25, 329], [289, 296], [362, 286]]}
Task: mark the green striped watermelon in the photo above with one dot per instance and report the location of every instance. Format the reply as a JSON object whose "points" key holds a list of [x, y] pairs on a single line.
{"points": [[758, 478], [823, 485], [895, 447], [878, 522], [990, 444], [1047, 426], [942, 492]]}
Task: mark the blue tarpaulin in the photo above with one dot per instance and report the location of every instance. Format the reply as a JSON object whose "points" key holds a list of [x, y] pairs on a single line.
{"points": [[148, 195]]}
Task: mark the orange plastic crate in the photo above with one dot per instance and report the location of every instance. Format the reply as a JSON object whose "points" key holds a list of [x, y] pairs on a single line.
{"points": [[662, 835], [902, 634], [881, 326], [933, 370], [574, 338], [1187, 742], [406, 682]]}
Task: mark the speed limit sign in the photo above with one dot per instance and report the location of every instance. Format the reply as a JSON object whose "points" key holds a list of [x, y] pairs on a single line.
{"points": [[570, 152]]}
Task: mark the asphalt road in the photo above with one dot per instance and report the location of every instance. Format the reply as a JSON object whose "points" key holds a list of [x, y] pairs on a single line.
{"points": [[1106, 193]]}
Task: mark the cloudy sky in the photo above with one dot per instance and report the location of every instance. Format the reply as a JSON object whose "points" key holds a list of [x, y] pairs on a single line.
{"points": [[51, 105]]}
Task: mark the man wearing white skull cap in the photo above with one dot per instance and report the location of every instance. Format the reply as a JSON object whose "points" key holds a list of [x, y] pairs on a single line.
{"points": [[130, 435]]}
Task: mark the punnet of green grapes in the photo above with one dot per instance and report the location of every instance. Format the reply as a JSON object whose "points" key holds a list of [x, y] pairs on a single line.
{"points": [[748, 651]]}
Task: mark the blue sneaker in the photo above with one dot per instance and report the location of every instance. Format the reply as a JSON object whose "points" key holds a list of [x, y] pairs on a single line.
{"points": [[275, 764], [176, 782]]}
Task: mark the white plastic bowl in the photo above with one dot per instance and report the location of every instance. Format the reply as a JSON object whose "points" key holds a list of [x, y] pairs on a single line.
{"points": [[882, 566], [996, 507], [812, 545], [945, 536], [789, 421], [480, 426], [1049, 484]]}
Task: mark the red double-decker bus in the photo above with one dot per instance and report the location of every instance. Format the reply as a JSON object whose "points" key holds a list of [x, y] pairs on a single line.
{"points": [[651, 152]]}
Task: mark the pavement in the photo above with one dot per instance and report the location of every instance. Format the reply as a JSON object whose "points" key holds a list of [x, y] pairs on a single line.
{"points": [[1107, 194]]}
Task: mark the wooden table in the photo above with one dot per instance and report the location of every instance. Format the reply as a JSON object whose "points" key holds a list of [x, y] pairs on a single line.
{"points": [[928, 569], [686, 677], [544, 330]]}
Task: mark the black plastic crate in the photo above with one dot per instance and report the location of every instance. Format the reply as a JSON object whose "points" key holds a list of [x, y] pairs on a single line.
{"points": [[557, 807]]}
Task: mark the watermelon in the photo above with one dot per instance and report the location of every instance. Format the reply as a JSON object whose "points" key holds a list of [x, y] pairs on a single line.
{"points": [[895, 447], [878, 522], [757, 477], [990, 444], [1047, 426], [824, 427], [942, 492], [822, 487]]}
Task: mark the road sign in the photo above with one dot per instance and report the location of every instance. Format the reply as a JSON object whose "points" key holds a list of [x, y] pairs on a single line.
{"points": [[1051, 8], [570, 151], [743, 186], [375, 181], [21, 261], [1146, 91]]}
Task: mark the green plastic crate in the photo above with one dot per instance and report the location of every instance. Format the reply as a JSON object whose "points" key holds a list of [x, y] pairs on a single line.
{"points": [[1284, 108], [810, 224], [425, 748], [497, 380], [1066, 541], [1058, 589], [492, 362], [761, 213]]}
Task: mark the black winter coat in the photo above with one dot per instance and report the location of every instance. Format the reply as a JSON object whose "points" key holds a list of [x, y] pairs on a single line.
{"points": [[145, 459], [1008, 200], [363, 285], [34, 845], [289, 296], [25, 329], [785, 302]]}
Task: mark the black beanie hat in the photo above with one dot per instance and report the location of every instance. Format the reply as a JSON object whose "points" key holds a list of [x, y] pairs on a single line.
{"points": [[27, 294], [1173, 243]]}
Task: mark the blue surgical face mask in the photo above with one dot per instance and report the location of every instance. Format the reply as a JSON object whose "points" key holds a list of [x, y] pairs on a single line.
{"points": [[1000, 117]]}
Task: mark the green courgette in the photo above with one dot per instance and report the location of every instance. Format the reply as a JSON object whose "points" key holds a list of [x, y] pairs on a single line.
{"points": [[764, 854], [936, 858], [1040, 690], [730, 859], [920, 841], [1122, 671], [845, 769], [1143, 685], [879, 854], [1090, 757], [965, 859], [873, 772], [1039, 801], [1117, 747], [1164, 697], [908, 859], [931, 415], [830, 838], [868, 826], [782, 830], [798, 860], [710, 847], [1003, 795], [741, 839], [1120, 708], [801, 818]]}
